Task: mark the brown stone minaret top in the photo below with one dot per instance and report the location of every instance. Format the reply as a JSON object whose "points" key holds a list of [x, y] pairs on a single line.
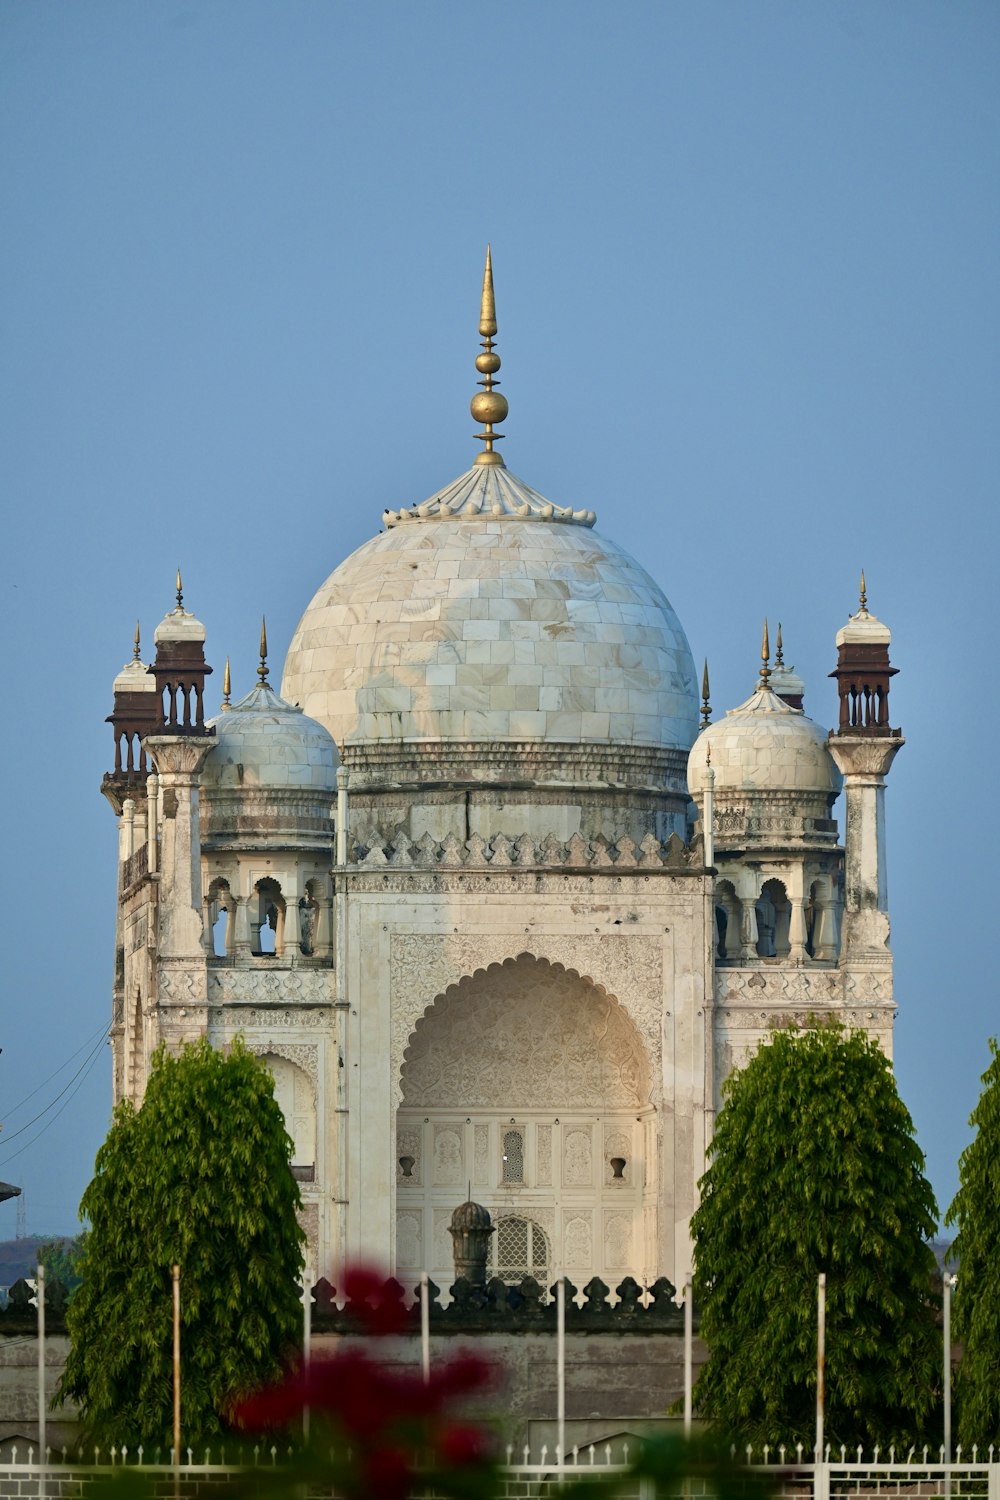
{"points": [[180, 670], [863, 672]]}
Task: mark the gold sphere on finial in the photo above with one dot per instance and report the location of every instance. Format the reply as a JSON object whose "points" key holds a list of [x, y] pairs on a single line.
{"points": [[864, 594], [262, 669], [180, 591], [779, 656], [706, 707], [488, 406], [135, 643]]}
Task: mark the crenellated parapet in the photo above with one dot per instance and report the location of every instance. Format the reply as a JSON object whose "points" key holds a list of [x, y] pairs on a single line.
{"points": [[527, 852]]}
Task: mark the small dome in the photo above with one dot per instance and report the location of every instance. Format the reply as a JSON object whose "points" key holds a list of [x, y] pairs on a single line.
{"points": [[764, 746], [471, 1216], [264, 742], [134, 677], [179, 625], [787, 683], [864, 629]]}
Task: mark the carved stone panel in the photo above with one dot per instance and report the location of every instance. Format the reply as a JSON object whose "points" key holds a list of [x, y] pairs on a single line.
{"points": [[447, 1158], [578, 1169], [578, 1250], [408, 1242], [309, 1219], [618, 1241], [481, 1165], [543, 1150]]}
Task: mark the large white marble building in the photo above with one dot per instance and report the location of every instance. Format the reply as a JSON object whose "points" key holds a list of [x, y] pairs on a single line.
{"points": [[497, 913]]}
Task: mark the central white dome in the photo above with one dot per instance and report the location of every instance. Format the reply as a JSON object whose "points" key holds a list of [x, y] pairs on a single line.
{"points": [[488, 614]]}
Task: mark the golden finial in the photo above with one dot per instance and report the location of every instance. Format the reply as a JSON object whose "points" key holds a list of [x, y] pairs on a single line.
{"points": [[227, 687], [706, 707], [779, 657], [180, 591], [262, 669], [864, 594], [488, 406], [135, 643], [765, 655]]}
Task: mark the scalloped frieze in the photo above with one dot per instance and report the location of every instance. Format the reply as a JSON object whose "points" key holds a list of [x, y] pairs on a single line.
{"points": [[423, 966], [304, 1055]]}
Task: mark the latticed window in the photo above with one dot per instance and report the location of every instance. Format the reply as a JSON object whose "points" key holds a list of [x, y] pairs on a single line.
{"points": [[519, 1248], [513, 1156]]}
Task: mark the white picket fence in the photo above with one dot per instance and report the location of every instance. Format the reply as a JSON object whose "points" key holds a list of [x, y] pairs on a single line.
{"points": [[920, 1476]]}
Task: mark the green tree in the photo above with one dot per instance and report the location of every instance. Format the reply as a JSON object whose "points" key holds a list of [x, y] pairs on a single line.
{"points": [[976, 1212], [200, 1177], [62, 1259], [814, 1167]]}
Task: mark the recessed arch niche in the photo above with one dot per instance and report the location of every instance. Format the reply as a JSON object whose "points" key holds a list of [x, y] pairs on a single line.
{"points": [[519, 1083]]}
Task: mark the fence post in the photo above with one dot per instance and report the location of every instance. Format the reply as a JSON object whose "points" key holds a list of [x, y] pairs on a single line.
{"points": [[820, 1363], [688, 1339]]}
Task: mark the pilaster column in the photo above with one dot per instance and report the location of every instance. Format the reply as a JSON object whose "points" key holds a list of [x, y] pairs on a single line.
{"points": [[179, 760], [825, 932], [864, 763], [241, 940], [748, 928], [152, 822], [127, 845], [797, 931], [290, 932]]}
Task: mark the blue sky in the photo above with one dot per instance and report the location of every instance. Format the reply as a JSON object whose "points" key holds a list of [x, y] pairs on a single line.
{"points": [[746, 269]]}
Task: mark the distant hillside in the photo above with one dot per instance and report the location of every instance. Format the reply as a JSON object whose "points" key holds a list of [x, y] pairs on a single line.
{"points": [[20, 1257]]}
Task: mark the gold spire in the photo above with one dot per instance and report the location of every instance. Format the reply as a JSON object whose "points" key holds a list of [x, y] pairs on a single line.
{"points": [[864, 594], [706, 707], [227, 687], [765, 655], [489, 406], [262, 669], [135, 643], [180, 591], [779, 657]]}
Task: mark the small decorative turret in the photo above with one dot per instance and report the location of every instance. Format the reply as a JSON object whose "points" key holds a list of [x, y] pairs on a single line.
{"points": [[488, 407], [470, 1231], [180, 670], [785, 681], [136, 713], [863, 672]]}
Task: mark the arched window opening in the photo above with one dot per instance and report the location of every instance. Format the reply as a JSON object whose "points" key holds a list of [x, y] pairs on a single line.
{"points": [[518, 1249], [221, 916], [268, 926], [513, 1156], [773, 919]]}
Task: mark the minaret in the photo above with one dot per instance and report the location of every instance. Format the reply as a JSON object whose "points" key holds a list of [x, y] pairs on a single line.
{"points": [[864, 747], [489, 406], [178, 747], [135, 714]]}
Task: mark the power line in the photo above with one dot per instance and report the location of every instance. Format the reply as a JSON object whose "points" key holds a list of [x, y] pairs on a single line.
{"points": [[84, 1069], [101, 1031]]}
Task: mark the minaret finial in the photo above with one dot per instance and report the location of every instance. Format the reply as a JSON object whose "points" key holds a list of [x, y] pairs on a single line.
{"points": [[135, 643], [262, 669], [864, 594], [765, 656], [779, 656], [180, 591], [489, 406], [227, 687], [706, 707]]}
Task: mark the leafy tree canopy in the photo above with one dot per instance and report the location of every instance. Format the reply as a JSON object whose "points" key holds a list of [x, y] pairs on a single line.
{"points": [[976, 1212], [62, 1259], [200, 1177], [814, 1167]]}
